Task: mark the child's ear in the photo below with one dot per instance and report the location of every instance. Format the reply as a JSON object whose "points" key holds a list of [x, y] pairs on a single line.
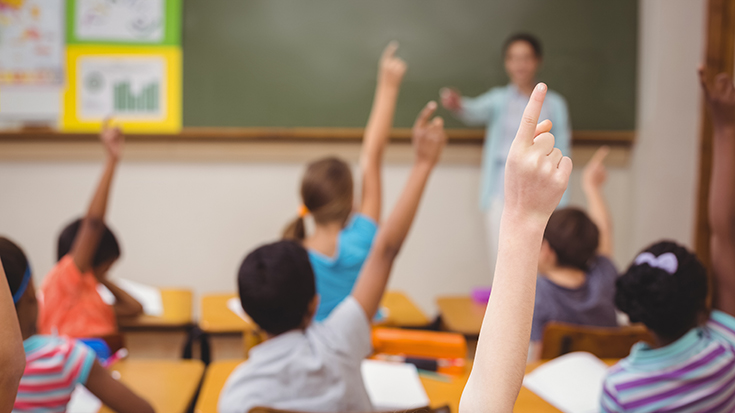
{"points": [[313, 305]]}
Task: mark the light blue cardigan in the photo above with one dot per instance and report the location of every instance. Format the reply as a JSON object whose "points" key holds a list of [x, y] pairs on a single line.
{"points": [[489, 109]]}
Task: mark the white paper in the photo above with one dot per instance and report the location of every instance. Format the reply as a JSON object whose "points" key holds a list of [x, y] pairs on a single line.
{"points": [[127, 20], [572, 382], [130, 88], [236, 307], [149, 297], [393, 386], [82, 401]]}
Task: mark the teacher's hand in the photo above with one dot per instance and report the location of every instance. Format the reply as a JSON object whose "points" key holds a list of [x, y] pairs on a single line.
{"points": [[451, 99]]}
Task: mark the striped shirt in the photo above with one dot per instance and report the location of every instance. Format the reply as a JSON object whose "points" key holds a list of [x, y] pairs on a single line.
{"points": [[694, 374], [54, 366]]}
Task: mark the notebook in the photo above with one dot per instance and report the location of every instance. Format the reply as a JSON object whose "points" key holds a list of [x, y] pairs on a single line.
{"points": [[393, 386], [149, 297], [572, 383]]}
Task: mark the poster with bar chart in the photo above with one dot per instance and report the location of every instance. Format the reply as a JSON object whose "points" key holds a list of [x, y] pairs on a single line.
{"points": [[139, 87]]}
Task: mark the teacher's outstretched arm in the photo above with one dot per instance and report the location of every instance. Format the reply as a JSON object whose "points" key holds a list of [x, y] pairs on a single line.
{"points": [[536, 177]]}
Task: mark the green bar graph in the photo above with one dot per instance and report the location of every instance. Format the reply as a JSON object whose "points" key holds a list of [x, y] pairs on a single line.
{"points": [[125, 100]]}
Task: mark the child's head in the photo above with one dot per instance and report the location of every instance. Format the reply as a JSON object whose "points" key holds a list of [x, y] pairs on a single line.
{"points": [[327, 193], [570, 240], [18, 273], [108, 249], [277, 290], [666, 289]]}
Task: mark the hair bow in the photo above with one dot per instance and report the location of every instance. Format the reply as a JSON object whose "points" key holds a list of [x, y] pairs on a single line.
{"points": [[666, 261]]}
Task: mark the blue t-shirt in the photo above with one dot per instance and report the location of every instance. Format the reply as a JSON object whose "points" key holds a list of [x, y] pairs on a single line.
{"points": [[335, 276]]}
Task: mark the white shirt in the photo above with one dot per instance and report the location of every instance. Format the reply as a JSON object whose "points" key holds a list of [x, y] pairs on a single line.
{"points": [[317, 369]]}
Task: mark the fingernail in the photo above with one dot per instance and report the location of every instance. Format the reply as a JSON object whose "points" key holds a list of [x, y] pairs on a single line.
{"points": [[541, 87]]}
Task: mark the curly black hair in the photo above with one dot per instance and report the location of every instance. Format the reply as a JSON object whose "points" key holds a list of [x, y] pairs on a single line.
{"points": [[668, 304]]}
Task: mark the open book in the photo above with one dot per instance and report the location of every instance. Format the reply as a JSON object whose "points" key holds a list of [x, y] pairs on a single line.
{"points": [[393, 386], [572, 382]]}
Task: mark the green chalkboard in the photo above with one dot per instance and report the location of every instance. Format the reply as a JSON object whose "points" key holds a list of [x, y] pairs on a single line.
{"points": [[289, 63]]}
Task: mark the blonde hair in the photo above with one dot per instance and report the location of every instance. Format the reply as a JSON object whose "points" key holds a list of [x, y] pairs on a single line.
{"points": [[326, 192]]}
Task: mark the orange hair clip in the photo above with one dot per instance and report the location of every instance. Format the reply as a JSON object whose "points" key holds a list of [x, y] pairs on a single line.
{"points": [[303, 211]]}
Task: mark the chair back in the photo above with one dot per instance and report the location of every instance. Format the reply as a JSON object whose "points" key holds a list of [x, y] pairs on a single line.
{"points": [[603, 342]]}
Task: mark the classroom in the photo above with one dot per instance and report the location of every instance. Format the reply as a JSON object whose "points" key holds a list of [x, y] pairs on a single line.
{"points": [[269, 206]]}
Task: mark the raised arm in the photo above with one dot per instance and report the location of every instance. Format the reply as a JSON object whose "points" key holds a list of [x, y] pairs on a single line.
{"points": [[720, 98], [428, 140], [12, 355], [593, 178], [536, 175], [92, 227], [378, 128]]}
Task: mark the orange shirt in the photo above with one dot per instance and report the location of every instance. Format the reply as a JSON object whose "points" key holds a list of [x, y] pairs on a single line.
{"points": [[71, 305]]}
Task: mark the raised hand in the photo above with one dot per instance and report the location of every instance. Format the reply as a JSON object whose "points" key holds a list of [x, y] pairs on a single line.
{"points": [[536, 173], [720, 98], [429, 136], [595, 174], [392, 68], [112, 139], [451, 99]]}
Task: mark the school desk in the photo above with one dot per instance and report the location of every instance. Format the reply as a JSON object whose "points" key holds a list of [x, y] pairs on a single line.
{"points": [[461, 314], [167, 385], [441, 391], [176, 313], [216, 318], [160, 337]]}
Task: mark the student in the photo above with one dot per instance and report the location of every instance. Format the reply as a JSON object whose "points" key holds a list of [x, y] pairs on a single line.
{"points": [[536, 175], [576, 282], [315, 366], [342, 239], [71, 305], [12, 358], [54, 364], [691, 365]]}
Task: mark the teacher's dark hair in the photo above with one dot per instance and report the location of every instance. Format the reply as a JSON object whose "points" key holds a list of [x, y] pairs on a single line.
{"points": [[532, 40]]}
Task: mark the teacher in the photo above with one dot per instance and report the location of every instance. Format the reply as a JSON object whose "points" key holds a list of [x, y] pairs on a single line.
{"points": [[501, 109]]}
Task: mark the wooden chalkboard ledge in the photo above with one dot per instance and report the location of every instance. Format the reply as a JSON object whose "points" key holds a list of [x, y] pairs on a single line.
{"points": [[195, 134]]}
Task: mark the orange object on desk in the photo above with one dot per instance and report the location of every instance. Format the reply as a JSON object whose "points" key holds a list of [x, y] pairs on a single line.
{"points": [[449, 349]]}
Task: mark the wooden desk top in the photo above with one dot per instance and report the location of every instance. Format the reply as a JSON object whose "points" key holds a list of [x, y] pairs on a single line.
{"points": [[217, 318], [177, 313], [167, 385], [461, 314], [439, 391], [402, 312]]}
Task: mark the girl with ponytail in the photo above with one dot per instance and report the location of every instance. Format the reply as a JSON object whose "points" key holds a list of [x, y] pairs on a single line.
{"points": [[342, 238]]}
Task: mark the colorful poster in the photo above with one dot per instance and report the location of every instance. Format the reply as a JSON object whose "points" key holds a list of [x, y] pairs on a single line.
{"points": [[141, 22], [32, 42], [140, 87]]}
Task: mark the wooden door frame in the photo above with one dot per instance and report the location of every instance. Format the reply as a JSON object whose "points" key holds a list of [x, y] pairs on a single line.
{"points": [[719, 57]]}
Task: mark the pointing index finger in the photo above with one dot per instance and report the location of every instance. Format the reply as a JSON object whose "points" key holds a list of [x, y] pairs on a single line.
{"points": [[390, 50], [425, 114], [527, 129]]}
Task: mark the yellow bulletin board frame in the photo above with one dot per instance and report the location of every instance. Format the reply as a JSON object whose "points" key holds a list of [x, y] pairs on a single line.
{"points": [[171, 123]]}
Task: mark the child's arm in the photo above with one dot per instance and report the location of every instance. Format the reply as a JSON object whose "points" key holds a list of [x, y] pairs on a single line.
{"points": [[125, 304], [428, 140], [92, 227], [113, 393], [12, 355], [593, 178], [536, 175], [378, 128], [720, 99]]}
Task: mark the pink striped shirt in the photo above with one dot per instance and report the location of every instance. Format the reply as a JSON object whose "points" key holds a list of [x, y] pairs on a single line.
{"points": [[54, 366]]}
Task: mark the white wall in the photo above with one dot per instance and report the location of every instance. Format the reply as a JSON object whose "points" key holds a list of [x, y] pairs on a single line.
{"points": [[187, 213], [666, 157]]}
